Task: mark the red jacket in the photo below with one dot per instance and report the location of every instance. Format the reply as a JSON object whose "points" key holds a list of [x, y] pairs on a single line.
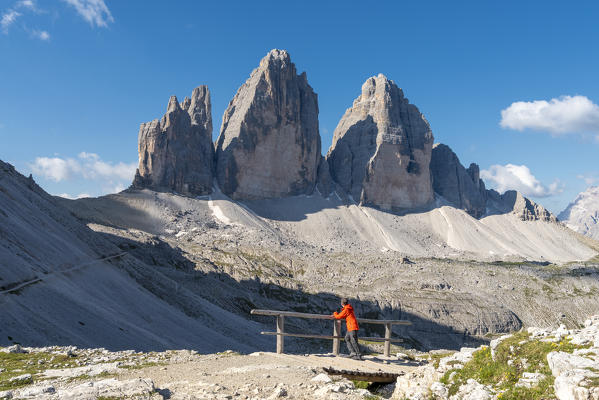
{"points": [[350, 318]]}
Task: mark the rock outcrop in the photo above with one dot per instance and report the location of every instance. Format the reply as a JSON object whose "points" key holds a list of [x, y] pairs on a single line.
{"points": [[514, 202], [381, 149], [458, 185], [269, 144], [582, 215], [176, 152]]}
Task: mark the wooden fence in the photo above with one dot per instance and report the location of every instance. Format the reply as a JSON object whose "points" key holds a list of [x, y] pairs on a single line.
{"points": [[336, 337]]}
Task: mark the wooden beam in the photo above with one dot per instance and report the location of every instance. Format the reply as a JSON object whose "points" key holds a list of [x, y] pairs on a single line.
{"points": [[280, 336], [337, 335], [276, 313], [387, 350], [310, 336]]}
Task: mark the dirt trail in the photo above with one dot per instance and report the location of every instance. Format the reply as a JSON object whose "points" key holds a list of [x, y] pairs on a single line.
{"points": [[262, 375]]}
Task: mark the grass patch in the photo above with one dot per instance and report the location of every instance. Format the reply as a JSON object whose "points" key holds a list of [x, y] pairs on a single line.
{"points": [[15, 364], [523, 355], [436, 358], [361, 384]]}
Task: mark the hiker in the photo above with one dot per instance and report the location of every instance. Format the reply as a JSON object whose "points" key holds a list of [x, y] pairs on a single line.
{"points": [[351, 337]]}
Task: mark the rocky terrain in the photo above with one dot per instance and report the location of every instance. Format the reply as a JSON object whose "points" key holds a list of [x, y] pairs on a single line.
{"points": [[582, 215], [535, 363]]}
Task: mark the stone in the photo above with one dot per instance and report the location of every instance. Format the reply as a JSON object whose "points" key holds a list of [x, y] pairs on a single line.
{"points": [[6, 394], [20, 379], [530, 379], [415, 385], [460, 186], [269, 143], [37, 391], [457, 360], [439, 390], [108, 388], [472, 390], [381, 149], [321, 378], [561, 362], [14, 349], [176, 152]]}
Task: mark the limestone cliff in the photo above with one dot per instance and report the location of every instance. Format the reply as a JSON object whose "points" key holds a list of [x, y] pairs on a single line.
{"points": [[269, 144], [176, 152], [460, 186], [381, 149]]}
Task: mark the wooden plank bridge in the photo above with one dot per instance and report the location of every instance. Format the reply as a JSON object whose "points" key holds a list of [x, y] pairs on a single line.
{"points": [[336, 337]]}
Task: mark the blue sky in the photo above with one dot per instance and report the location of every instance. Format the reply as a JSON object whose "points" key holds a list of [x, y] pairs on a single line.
{"points": [[77, 77]]}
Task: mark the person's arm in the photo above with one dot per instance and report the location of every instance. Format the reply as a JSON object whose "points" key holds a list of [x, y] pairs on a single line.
{"points": [[344, 313]]}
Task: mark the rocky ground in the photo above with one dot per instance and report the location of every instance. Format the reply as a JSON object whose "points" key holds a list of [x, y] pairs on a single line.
{"points": [[533, 364], [72, 373]]}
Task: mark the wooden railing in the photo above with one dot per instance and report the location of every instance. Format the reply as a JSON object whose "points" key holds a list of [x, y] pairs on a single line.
{"points": [[280, 333]]}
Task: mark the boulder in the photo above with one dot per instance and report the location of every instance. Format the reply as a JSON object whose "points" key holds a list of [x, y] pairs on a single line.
{"points": [[269, 144], [381, 149], [460, 186], [176, 152]]}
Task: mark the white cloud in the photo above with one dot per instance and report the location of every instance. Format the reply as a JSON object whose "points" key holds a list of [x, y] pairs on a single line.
{"points": [[8, 18], [68, 196], [94, 12], [564, 115], [519, 177], [42, 35], [591, 179], [87, 165], [56, 169], [30, 4]]}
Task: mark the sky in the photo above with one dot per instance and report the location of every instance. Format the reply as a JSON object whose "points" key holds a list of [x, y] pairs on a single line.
{"points": [[512, 85]]}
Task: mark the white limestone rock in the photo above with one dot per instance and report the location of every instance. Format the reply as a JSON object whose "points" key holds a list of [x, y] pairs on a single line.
{"points": [[472, 390], [269, 144], [381, 149], [582, 215]]}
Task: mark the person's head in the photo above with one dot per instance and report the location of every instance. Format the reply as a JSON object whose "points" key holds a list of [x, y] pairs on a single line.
{"points": [[344, 301]]}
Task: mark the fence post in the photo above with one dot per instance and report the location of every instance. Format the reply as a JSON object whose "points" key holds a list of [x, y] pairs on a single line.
{"points": [[336, 333], [280, 338], [387, 340]]}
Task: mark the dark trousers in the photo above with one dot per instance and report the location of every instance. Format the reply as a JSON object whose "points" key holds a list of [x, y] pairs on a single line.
{"points": [[351, 340]]}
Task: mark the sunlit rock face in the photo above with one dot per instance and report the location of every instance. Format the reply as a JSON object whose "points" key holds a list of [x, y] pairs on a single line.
{"points": [[176, 151], [381, 149], [269, 144]]}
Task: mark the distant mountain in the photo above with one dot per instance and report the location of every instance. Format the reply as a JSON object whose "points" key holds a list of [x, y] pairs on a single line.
{"points": [[582, 215]]}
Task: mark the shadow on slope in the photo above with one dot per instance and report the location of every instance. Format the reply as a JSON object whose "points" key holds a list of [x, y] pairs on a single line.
{"points": [[191, 286]]}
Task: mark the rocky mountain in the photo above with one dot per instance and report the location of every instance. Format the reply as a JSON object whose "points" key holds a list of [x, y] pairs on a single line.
{"points": [[582, 215], [460, 186], [63, 283], [269, 144], [381, 149], [464, 189], [176, 152]]}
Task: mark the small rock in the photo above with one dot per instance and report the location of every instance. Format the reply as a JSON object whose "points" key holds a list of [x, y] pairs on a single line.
{"points": [[14, 349], [322, 378], [25, 378], [5, 395]]}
